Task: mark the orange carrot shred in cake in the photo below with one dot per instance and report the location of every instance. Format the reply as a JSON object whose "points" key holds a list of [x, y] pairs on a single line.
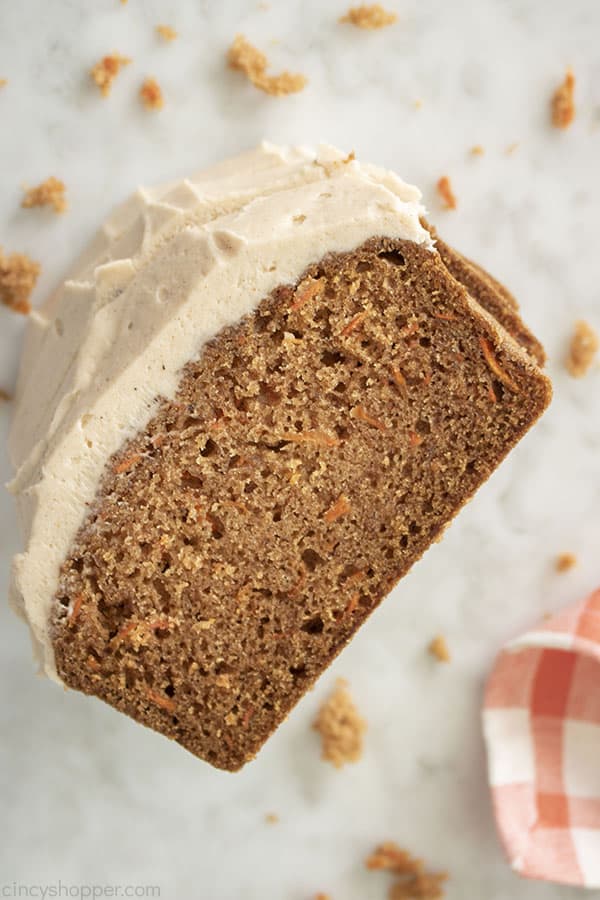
{"points": [[565, 561], [18, 276], [354, 323], [166, 32], [445, 191], [341, 727], [161, 700], [413, 882], [563, 102], [582, 349], [74, 611], [105, 71], [359, 412], [244, 57], [305, 292], [492, 362], [439, 648], [50, 192], [369, 16], [151, 94], [340, 508]]}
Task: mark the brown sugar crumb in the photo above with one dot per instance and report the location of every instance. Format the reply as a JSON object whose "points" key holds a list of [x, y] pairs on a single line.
{"points": [[340, 508], [582, 350], [341, 727], [18, 276], [445, 191], [151, 94], [271, 818], [105, 71], [565, 561], [563, 103], [371, 17], [413, 882], [439, 648], [244, 57], [477, 150], [166, 32], [50, 192]]}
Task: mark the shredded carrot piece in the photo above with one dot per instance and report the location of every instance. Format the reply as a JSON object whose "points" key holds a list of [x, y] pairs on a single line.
{"points": [[74, 611], [320, 438], [563, 102], [340, 508], [305, 293], [358, 319], [359, 412], [166, 703], [414, 438], [93, 663], [356, 577], [446, 193], [398, 377], [409, 330], [447, 317], [127, 464], [352, 604], [247, 716], [492, 362], [124, 632], [492, 394]]}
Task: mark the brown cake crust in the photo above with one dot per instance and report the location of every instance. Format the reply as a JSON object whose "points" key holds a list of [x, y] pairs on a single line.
{"points": [[310, 457]]}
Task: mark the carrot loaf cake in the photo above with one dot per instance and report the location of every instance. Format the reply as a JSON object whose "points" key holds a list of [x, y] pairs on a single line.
{"points": [[257, 400]]}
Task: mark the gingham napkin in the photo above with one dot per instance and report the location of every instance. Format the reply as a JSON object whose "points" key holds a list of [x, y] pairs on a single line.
{"points": [[542, 729]]}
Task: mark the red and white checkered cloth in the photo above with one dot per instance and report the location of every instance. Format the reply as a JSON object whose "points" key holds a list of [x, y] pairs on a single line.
{"points": [[542, 730]]}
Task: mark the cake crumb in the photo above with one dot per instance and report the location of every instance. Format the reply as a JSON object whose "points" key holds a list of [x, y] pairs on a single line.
{"points": [[582, 350], [4, 396], [3, 82], [166, 32], [565, 561], [18, 276], [341, 727], [445, 191], [244, 57], [322, 896], [477, 150], [271, 818], [563, 102], [413, 882], [370, 17], [151, 94], [105, 71], [418, 103], [438, 647], [50, 192], [511, 148]]}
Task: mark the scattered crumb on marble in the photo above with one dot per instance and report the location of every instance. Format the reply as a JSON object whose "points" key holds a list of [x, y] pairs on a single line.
{"points": [[439, 648], [271, 818], [18, 276], [418, 103], [166, 32], [321, 896], [3, 82], [369, 16], [4, 396], [510, 149], [563, 102], [565, 561], [105, 71], [151, 94], [341, 727], [582, 349], [477, 150], [244, 57], [264, 6], [50, 192], [445, 191], [412, 881]]}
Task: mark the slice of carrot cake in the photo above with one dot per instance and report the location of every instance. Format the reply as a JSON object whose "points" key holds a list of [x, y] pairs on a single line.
{"points": [[257, 400]]}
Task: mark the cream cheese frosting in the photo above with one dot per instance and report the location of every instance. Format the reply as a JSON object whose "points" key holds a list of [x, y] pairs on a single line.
{"points": [[170, 268]]}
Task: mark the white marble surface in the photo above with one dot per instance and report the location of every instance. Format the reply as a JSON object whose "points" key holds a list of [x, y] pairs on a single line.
{"points": [[89, 797]]}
